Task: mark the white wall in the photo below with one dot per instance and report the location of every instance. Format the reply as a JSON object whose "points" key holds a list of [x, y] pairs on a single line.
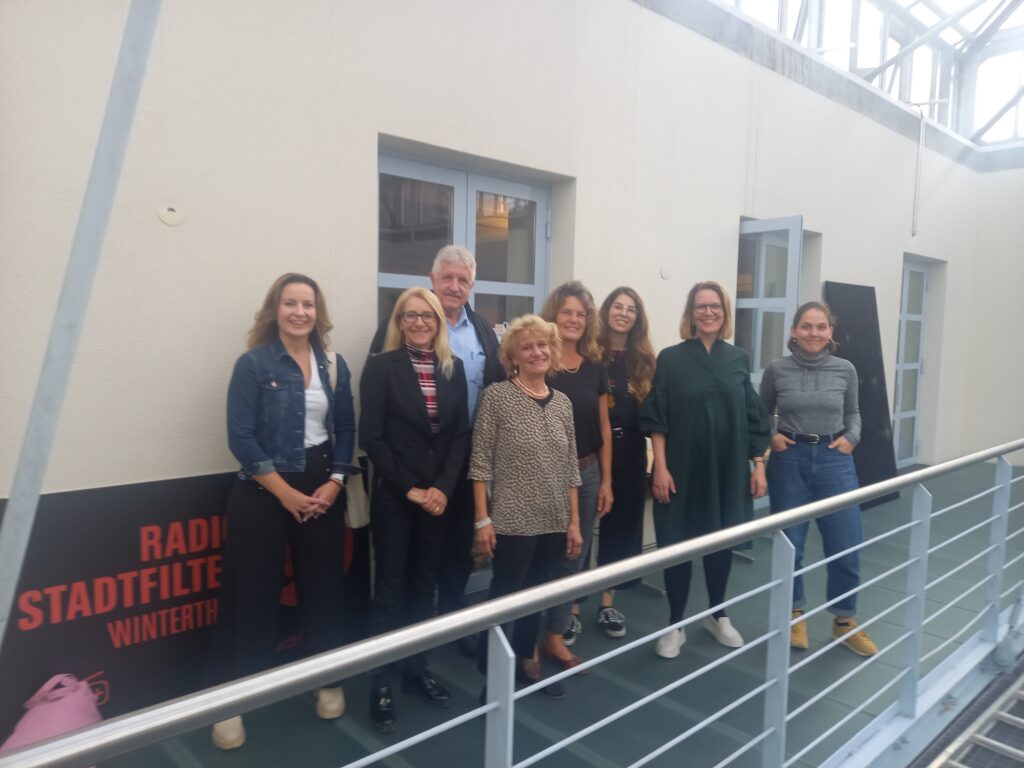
{"points": [[993, 314], [260, 121]]}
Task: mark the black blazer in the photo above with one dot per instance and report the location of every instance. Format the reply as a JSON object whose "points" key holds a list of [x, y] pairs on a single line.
{"points": [[493, 369], [394, 429]]}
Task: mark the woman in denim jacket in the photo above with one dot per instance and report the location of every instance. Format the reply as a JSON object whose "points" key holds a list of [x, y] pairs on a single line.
{"points": [[291, 425]]}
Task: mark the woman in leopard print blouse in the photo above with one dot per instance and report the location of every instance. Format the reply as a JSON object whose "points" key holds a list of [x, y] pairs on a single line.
{"points": [[524, 447]]}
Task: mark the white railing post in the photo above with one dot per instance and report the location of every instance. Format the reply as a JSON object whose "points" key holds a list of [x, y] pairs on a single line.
{"points": [[997, 557], [913, 612], [501, 684], [780, 611]]}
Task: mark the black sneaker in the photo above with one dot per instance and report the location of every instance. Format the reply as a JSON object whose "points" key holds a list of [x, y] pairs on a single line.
{"points": [[613, 622], [575, 627]]}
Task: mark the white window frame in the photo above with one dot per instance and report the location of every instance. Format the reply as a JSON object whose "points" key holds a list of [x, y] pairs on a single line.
{"points": [[466, 184], [793, 227]]}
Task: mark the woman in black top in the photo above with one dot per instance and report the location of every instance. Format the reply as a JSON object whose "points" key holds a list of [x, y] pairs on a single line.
{"points": [[630, 359], [415, 429], [584, 380]]}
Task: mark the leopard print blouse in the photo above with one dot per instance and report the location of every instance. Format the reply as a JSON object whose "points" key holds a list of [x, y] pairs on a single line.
{"points": [[527, 450]]}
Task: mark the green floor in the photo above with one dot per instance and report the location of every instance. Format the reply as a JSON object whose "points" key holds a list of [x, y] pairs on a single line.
{"points": [[289, 734]]}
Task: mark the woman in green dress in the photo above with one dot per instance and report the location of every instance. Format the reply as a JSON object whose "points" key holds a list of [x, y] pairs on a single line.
{"points": [[707, 425]]}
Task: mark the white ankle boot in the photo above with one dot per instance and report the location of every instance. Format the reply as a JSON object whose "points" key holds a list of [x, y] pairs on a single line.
{"points": [[229, 734], [330, 702]]}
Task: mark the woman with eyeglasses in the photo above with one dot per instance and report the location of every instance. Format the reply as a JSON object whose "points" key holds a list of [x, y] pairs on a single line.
{"points": [[415, 429], [814, 394], [629, 358], [708, 427]]}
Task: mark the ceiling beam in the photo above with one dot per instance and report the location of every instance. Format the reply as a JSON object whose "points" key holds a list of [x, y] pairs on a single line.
{"points": [[998, 115], [928, 36], [984, 34]]}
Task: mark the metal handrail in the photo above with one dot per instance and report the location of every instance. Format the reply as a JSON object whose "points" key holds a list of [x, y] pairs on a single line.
{"points": [[161, 721]]}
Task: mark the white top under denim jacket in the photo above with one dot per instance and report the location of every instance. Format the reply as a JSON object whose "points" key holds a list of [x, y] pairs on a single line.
{"points": [[267, 411]]}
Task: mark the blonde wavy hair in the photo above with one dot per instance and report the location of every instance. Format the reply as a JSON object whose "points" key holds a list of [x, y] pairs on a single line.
{"points": [[442, 349], [587, 345], [520, 327], [688, 328], [265, 330]]}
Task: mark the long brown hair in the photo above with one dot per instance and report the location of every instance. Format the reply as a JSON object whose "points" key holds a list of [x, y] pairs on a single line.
{"points": [[587, 346], [639, 352], [264, 330]]}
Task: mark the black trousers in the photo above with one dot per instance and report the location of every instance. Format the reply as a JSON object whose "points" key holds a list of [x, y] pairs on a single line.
{"points": [[456, 548], [716, 577], [259, 530], [521, 562], [622, 529], [406, 549]]}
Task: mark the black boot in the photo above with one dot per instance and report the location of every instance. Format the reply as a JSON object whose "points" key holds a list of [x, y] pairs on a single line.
{"points": [[382, 707]]}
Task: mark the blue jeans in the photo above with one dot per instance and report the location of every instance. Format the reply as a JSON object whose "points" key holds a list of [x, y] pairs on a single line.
{"points": [[558, 616], [804, 473]]}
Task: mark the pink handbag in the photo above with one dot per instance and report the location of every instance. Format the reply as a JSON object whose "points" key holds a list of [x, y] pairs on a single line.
{"points": [[63, 704]]}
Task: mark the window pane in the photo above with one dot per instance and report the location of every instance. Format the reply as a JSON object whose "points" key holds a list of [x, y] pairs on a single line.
{"points": [[921, 76], [999, 77], [908, 390], [869, 37], [792, 16], [386, 298], [506, 238], [415, 220], [765, 11], [905, 450], [915, 293], [747, 268], [744, 335], [773, 336], [501, 309], [775, 258], [911, 342], [835, 39]]}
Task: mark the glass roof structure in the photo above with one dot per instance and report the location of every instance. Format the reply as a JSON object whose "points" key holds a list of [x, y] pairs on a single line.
{"points": [[961, 62]]}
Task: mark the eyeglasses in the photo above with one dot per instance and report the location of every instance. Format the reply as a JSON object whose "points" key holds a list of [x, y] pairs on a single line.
{"points": [[428, 318], [629, 310], [707, 309]]}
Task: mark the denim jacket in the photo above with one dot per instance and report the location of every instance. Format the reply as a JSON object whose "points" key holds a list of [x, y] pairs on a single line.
{"points": [[267, 412]]}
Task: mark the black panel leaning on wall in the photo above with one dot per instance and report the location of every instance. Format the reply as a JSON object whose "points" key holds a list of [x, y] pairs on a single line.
{"points": [[123, 581], [860, 341]]}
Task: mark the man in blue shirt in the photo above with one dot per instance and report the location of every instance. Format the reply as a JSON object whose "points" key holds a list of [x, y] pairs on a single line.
{"points": [[474, 342]]}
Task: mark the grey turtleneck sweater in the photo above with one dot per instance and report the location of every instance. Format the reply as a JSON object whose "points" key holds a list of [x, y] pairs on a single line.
{"points": [[813, 395]]}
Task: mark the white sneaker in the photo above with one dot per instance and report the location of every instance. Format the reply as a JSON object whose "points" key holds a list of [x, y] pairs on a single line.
{"points": [[724, 631], [330, 702], [669, 644], [229, 734]]}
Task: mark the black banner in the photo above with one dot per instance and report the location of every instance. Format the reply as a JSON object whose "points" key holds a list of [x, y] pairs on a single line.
{"points": [[860, 341], [121, 584]]}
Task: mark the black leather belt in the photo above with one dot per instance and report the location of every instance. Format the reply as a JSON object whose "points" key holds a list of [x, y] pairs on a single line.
{"points": [[812, 439]]}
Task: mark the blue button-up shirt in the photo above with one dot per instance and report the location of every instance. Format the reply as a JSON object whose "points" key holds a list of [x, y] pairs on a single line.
{"points": [[465, 344]]}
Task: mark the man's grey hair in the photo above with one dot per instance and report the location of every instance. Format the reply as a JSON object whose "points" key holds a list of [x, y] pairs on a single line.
{"points": [[455, 254]]}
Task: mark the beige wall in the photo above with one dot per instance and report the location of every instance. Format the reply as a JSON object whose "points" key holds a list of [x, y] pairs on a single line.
{"points": [[994, 359], [260, 121]]}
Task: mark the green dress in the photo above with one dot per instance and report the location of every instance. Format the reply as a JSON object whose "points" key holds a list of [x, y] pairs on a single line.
{"points": [[714, 423]]}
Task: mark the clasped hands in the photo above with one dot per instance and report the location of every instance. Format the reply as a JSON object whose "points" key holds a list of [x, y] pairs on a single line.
{"points": [[303, 507], [431, 499]]}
